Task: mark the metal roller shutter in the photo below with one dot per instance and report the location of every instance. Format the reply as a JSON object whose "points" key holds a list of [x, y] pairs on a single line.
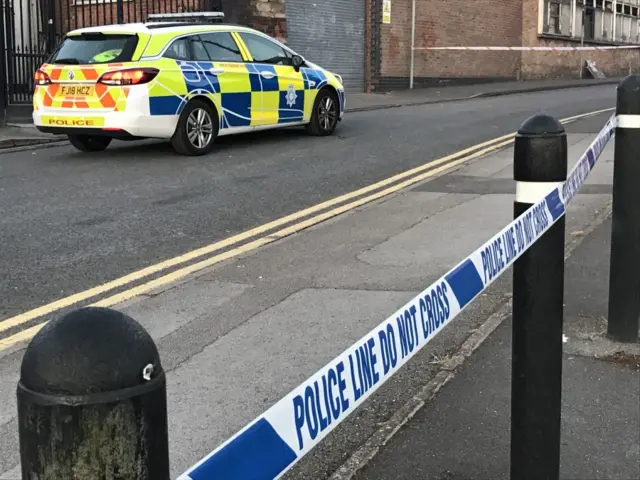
{"points": [[330, 33]]}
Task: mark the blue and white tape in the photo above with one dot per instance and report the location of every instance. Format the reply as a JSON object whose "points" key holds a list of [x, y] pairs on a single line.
{"points": [[275, 441]]}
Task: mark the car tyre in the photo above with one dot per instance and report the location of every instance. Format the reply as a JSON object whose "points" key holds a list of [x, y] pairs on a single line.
{"points": [[89, 143], [325, 114], [197, 129]]}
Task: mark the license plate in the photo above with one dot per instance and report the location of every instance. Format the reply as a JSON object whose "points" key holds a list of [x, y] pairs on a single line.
{"points": [[75, 91]]}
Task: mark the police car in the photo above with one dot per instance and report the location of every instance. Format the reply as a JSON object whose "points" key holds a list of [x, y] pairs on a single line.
{"points": [[184, 77]]}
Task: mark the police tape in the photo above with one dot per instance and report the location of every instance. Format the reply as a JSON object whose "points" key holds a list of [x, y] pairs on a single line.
{"points": [[537, 49], [275, 441]]}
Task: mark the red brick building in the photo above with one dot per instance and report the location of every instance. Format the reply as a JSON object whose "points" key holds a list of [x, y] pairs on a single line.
{"points": [[373, 50], [369, 42], [500, 23], [559, 23]]}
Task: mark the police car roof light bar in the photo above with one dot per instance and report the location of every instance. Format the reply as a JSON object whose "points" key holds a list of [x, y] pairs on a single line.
{"points": [[195, 17]]}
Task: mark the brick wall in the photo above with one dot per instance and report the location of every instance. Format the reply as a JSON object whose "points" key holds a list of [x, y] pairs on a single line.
{"points": [[370, 47], [388, 46], [536, 65], [450, 23], [395, 44], [83, 14], [539, 65], [267, 16]]}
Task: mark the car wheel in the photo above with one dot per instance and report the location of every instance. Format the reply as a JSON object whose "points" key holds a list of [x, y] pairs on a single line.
{"points": [[89, 143], [325, 115], [196, 130]]}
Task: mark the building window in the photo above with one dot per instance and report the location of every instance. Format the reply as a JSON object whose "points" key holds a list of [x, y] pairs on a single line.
{"points": [[554, 18], [589, 23], [592, 20]]}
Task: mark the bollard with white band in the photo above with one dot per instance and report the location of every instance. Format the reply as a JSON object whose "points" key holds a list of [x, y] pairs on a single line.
{"points": [[624, 276], [540, 167]]}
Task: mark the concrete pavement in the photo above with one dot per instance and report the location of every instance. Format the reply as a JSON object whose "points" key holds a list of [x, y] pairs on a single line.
{"points": [[238, 336], [463, 433], [21, 133]]}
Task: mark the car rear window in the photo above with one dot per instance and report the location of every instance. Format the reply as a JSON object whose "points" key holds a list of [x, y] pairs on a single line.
{"points": [[95, 48]]}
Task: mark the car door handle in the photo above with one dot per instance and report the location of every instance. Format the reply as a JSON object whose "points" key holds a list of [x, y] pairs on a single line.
{"points": [[267, 74], [216, 71]]}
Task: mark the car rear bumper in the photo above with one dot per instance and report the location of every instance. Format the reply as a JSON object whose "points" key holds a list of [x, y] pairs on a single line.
{"points": [[113, 124], [88, 131]]}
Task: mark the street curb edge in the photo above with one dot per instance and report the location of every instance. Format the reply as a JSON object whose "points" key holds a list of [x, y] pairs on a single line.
{"points": [[498, 93], [9, 145]]}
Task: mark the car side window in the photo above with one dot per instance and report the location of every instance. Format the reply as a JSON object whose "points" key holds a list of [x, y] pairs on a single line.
{"points": [[264, 50], [221, 47], [178, 50], [197, 48]]}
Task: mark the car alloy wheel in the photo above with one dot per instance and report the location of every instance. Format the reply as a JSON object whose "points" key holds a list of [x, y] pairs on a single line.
{"points": [[199, 128], [327, 113]]}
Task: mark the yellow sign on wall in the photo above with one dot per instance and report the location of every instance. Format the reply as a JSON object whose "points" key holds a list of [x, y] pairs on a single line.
{"points": [[386, 11]]}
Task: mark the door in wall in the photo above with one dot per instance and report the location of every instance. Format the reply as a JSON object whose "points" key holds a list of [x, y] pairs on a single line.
{"points": [[330, 33]]}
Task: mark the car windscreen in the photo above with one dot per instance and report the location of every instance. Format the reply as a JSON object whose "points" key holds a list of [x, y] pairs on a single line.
{"points": [[95, 48]]}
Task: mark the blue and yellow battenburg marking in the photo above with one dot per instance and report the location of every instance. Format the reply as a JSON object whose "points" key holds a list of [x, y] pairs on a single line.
{"points": [[243, 95]]}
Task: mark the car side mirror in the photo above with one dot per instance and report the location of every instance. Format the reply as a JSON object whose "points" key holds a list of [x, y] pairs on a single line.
{"points": [[297, 61]]}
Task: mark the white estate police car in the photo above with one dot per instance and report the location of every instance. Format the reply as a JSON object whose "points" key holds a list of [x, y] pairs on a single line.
{"points": [[187, 78]]}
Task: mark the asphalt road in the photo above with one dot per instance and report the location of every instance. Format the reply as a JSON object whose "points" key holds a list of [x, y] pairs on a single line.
{"points": [[70, 221]]}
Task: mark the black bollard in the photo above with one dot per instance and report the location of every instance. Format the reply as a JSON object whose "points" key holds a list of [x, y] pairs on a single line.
{"points": [[540, 164], [92, 401], [624, 275]]}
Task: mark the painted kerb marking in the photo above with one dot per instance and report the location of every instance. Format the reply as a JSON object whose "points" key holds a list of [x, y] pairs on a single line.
{"points": [[275, 441], [415, 175], [270, 238]]}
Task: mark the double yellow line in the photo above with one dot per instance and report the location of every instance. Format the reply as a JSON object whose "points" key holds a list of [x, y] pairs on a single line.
{"points": [[406, 179]]}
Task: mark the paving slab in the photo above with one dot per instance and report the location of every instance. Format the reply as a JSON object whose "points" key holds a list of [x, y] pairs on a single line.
{"points": [[239, 378], [22, 135], [429, 242]]}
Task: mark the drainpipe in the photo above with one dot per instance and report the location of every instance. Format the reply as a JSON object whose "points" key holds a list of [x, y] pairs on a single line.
{"points": [[614, 9], [584, 5], [413, 42]]}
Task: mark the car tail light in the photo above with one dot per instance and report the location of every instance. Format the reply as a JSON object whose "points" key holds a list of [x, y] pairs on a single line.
{"points": [[41, 78], [134, 76]]}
